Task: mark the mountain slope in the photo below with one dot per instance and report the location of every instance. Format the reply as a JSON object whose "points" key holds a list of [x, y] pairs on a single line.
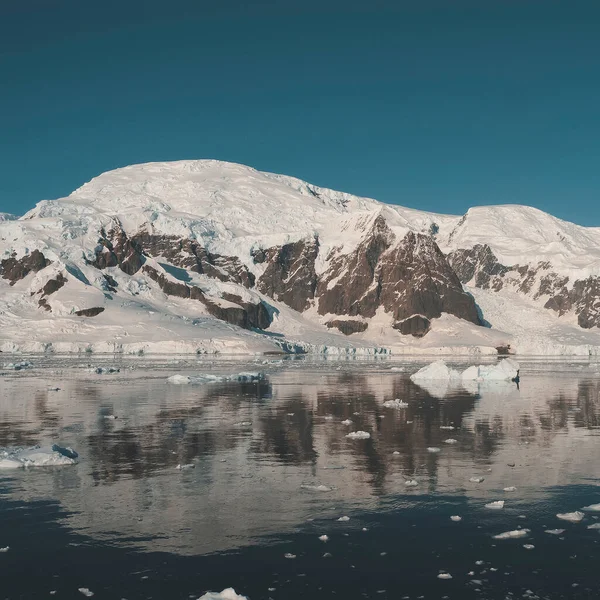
{"points": [[208, 256]]}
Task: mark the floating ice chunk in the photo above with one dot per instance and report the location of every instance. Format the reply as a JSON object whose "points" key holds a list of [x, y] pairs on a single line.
{"points": [[557, 531], [592, 508], [433, 449], [511, 488], [358, 435], [227, 594], [86, 592], [37, 456], [316, 488], [528, 546], [495, 505], [110, 417], [593, 526], [185, 467], [411, 483], [344, 519], [289, 555], [324, 538], [437, 370], [397, 403], [574, 517], [450, 441], [447, 427], [455, 518], [327, 555], [210, 378], [505, 370], [328, 417], [5, 549], [25, 364], [444, 576], [347, 422], [395, 452], [509, 535], [477, 479]]}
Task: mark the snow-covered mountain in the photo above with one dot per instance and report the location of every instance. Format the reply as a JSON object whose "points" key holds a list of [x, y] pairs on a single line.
{"points": [[207, 256]]}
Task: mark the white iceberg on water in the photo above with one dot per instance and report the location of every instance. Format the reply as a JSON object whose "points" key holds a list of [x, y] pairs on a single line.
{"points": [[37, 456], [227, 594], [505, 370]]}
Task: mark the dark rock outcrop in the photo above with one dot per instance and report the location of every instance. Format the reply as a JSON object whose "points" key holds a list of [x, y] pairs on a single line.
{"points": [[417, 326], [53, 285], [90, 312], [348, 327], [244, 314], [15, 269], [290, 275], [115, 249], [406, 277]]}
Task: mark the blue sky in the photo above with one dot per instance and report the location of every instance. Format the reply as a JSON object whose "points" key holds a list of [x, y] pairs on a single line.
{"points": [[431, 104]]}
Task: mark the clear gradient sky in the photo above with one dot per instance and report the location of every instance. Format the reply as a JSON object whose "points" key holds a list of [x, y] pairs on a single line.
{"points": [[433, 104]]}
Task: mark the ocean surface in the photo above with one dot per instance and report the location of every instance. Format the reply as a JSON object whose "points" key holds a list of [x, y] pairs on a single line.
{"points": [[184, 489]]}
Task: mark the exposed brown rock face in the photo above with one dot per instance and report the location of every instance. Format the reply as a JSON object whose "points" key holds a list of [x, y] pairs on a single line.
{"points": [[15, 269], [290, 273], [244, 314], [406, 277], [90, 312], [417, 326], [188, 254], [53, 285], [480, 266], [115, 249], [349, 326]]}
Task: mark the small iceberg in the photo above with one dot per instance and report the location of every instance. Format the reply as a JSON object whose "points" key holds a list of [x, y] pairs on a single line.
{"points": [[227, 594], [455, 518], [344, 519], [86, 592], [555, 531], [19, 366], [450, 441], [324, 538], [574, 517], [397, 403], [37, 456], [528, 546], [316, 488], [498, 504], [592, 508], [505, 370], [444, 576], [593, 526], [358, 435], [347, 422], [511, 488], [411, 483], [514, 534], [179, 379], [433, 449], [477, 479]]}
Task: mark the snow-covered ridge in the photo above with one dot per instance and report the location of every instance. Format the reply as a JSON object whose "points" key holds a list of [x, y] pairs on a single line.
{"points": [[240, 218]]}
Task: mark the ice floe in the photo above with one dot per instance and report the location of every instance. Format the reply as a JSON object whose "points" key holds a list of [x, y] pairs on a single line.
{"points": [[455, 518], [227, 594], [511, 488], [509, 535], [594, 526], [358, 435], [505, 370], [444, 576], [185, 467], [5, 549], [316, 488], [344, 518], [347, 422], [37, 456], [592, 508], [411, 483], [557, 531], [397, 403], [476, 479], [495, 505], [324, 538], [433, 449], [574, 517], [289, 555], [19, 366], [528, 546], [200, 379], [450, 441], [86, 592]]}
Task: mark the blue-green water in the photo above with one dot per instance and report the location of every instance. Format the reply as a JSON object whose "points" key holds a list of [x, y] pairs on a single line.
{"points": [[273, 471]]}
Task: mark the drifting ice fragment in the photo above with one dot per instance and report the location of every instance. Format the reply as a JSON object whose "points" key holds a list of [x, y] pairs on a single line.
{"points": [[495, 505], [358, 435], [228, 594], [397, 403], [344, 518], [86, 592], [37, 456], [515, 533], [455, 518], [450, 441], [433, 449], [557, 531], [5, 549], [592, 508], [476, 479], [574, 517], [411, 483], [511, 488], [593, 526], [185, 467], [528, 546], [289, 555], [324, 538], [316, 488], [347, 422], [444, 576]]}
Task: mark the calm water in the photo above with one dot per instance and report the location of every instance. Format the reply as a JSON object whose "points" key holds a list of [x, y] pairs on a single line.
{"points": [[126, 523]]}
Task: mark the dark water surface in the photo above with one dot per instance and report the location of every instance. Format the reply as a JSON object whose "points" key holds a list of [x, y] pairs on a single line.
{"points": [[126, 523]]}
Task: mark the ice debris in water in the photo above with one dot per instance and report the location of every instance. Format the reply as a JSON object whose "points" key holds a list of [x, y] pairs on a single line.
{"points": [[593, 526], [347, 422], [210, 378], [358, 435], [528, 546], [181, 467], [344, 518], [397, 403], [324, 538], [476, 479], [411, 483], [433, 449], [5, 549], [574, 517], [37, 456], [448, 427], [289, 555], [455, 518], [86, 592], [592, 508], [555, 531], [509, 535], [315, 488], [227, 594], [496, 504], [444, 576], [19, 366], [450, 441], [505, 370], [511, 488]]}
